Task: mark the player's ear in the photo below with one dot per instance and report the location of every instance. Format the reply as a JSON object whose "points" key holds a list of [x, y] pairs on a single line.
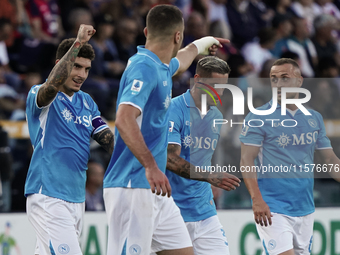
{"points": [[145, 31], [196, 77], [177, 37], [300, 81]]}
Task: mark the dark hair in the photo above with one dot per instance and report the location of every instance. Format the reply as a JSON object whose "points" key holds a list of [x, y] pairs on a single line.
{"points": [[211, 64], [86, 51], [163, 20], [266, 35], [283, 61]]}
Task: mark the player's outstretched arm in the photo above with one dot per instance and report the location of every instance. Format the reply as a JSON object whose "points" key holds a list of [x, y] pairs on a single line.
{"points": [[106, 139], [262, 214], [183, 168], [333, 162], [129, 130], [205, 46], [62, 69]]}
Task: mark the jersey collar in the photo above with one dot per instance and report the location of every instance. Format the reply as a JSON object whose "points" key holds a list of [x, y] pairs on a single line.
{"points": [[142, 51]]}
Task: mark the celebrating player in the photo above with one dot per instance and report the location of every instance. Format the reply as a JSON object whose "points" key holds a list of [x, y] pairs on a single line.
{"points": [[137, 218], [187, 130], [61, 119], [283, 202]]}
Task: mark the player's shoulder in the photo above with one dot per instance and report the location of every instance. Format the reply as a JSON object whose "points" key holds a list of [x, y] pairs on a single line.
{"points": [[216, 112], [35, 88], [85, 98]]}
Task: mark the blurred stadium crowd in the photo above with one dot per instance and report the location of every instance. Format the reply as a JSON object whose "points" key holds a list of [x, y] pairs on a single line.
{"points": [[260, 32]]}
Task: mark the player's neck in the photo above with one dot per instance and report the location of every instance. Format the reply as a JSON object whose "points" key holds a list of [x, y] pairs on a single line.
{"points": [[162, 50], [197, 99]]}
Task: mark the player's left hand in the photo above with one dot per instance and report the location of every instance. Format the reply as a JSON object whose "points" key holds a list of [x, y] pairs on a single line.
{"points": [[224, 181]]}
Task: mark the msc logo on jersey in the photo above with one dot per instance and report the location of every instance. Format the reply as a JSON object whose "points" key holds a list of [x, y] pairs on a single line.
{"points": [[136, 85], [63, 248], [84, 120], [304, 138], [67, 115], [199, 142], [135, 249]]}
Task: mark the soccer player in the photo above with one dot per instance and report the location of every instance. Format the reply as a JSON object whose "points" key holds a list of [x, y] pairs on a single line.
{"points": [[61, 120], [193, 139], [139, 221], [283, 202]]}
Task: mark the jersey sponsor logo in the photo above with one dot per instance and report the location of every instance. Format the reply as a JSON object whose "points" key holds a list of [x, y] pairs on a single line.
{"points": [[188, 123], [165, 83], [67, 115], [283, 140], [63, 248], [136, 85], [187, 141], [171, 126], [84, 120], [271, 244], [199, 142], [312, 123], [167, 102], [304, 138], [135, 249]]}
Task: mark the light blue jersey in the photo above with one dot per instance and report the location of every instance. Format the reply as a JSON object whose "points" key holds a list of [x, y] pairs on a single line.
{"points": [[146, 84], [289, 193], [198, 140], [60, 134]]}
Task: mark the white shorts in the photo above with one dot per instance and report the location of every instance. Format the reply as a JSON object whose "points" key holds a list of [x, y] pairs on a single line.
{"points": [[57, 223], [208, 237], [141, 222], [287, 233]]}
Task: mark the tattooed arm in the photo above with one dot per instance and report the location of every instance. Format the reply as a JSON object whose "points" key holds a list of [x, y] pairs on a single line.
{"points": [[62, 69], [106, 139], [183, 168]]}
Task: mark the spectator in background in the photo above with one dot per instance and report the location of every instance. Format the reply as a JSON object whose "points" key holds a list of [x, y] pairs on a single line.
{"points": [[6, 172], [300, 43], [283, 28], [323, 40], [77, 17], [106, 63], [327, 68], [245, 20], [217, 13], [280, 6], [125, 38], [45, 20], [94, 187], [306, 9], [258, 52], [326, 7]]}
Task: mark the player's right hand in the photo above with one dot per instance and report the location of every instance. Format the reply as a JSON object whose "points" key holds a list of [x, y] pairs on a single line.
{"points": [[262, 214], [85, 33], [158, 181]]}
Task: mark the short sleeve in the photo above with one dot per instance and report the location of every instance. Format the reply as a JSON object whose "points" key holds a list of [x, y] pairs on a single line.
{"points": [[139, 82], [174, 65], [323, 141], [175, 125], [31, 102], [251, 135]]}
